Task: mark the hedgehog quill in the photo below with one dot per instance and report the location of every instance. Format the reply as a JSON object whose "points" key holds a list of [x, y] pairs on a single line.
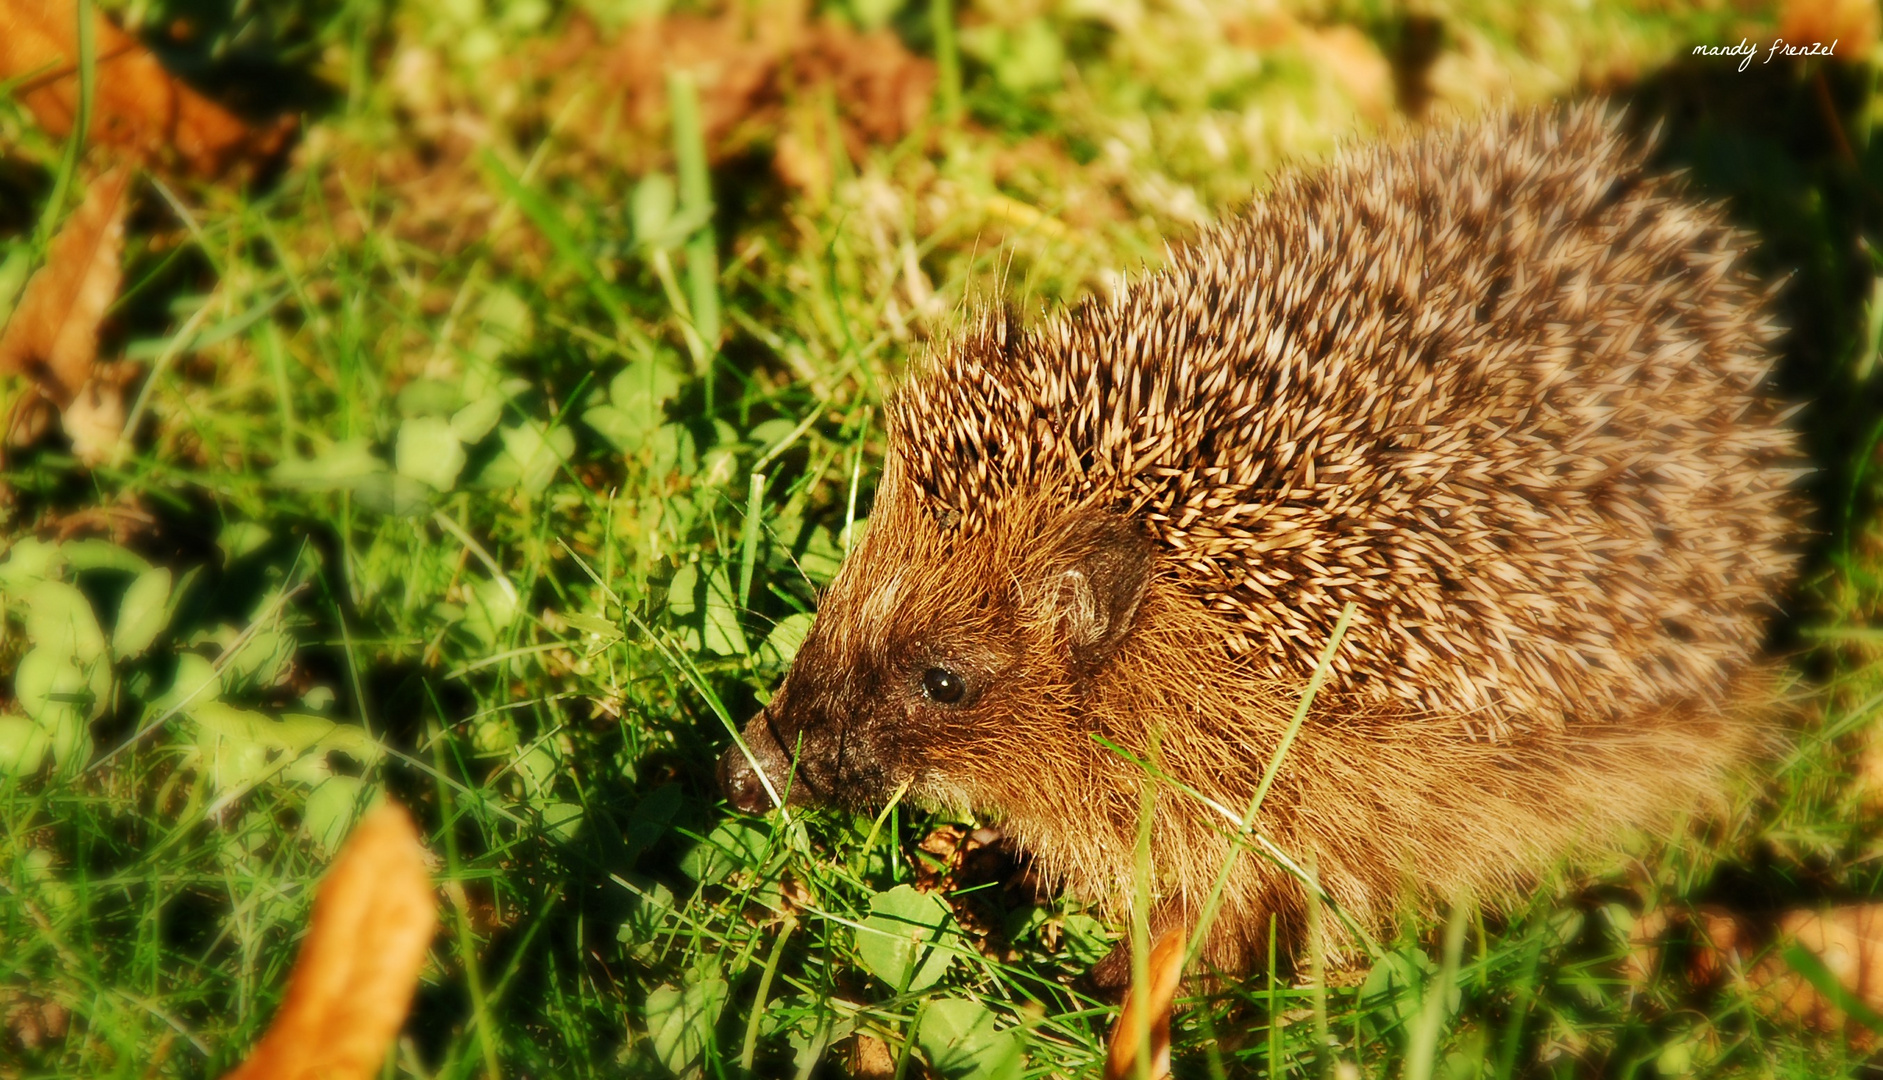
{"points": [[1498, 386]]}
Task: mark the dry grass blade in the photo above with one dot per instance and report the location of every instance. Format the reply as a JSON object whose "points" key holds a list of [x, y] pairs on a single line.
{"points": [[53, 334], [1151, 995], [373, 922], [140, 108]]}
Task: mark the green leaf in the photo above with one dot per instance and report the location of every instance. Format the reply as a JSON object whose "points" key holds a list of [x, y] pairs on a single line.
{"points": [[530, 458], [234, 744], [734, 845], [897, 943], [1026, 58], [505, 326], [240, 747], [782, 644], [53, 689], [538, 768], [961, 1037], [822, 558], [491, 609], [239, 539], [428, 451], [49, 684], [682, 598], [23, 746], [58, 616], [637, 404], [393, 495], [429, 397], [28, 560], [102, 555], [341, 466], [598, 633], [816, 1028], [475, 420], [328, 814], [195, 682], [674, 452], [561, 819], [721, 632], [142, 613], [651, 818], [1395, 989], [261, 660], [681, 1019], [657, 225], [650, 906], [772, 432], [652, 205]]}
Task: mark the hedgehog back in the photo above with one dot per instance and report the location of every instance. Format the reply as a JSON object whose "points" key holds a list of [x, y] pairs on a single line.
{"points": [[1498, 386]]}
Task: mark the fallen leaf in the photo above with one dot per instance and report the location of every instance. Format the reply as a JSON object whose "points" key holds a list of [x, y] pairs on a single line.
{"points": [[137, 106], [53, 334], [348, 993], [1848, 941], [31, 1023], [1721, 946], [1151, 995], [870, 1058], [1645, 946], [94, 420], [1852, 24], [749, 62]]}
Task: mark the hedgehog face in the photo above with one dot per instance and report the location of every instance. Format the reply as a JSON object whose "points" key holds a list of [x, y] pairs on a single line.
{"points": [[863, 713], [933, 653]]}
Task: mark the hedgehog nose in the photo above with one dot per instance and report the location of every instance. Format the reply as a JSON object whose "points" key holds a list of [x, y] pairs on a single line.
{"points": [[741, 784]]}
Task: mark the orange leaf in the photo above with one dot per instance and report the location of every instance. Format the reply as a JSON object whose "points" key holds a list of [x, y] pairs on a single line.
{"points": [[138, 107], [348, 993], [53, 334], [1151, 996]]}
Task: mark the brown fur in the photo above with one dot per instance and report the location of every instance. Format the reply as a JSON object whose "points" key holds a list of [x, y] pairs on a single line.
{"points": [[1495, 386]]}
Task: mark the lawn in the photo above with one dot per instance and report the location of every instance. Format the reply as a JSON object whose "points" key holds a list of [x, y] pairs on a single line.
{"points": [[484, 446]]}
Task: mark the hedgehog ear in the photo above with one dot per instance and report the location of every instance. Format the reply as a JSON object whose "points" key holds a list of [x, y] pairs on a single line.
{"points": [[1096, 583]]}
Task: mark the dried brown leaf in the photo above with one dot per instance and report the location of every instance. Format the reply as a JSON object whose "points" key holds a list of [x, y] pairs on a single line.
{"points": [[29, 1022], [1720, 946], [870, 1058], [748, 62], [53, 334], [1849, 942], [347, 996], [94, 421], [138, 107], [1151, 995]]}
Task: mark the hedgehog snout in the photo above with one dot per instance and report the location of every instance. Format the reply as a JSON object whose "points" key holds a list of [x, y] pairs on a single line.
{"points": [[740, 781]]}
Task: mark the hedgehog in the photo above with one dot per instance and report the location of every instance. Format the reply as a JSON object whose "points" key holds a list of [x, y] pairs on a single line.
{"points": [[1497, 387]]}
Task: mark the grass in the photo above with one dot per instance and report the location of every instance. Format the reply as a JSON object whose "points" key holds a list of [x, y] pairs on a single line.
{"points": [[497, 472]]}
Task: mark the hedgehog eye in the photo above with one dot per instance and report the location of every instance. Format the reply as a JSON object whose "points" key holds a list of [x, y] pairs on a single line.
{"points": [[942, 685]]}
